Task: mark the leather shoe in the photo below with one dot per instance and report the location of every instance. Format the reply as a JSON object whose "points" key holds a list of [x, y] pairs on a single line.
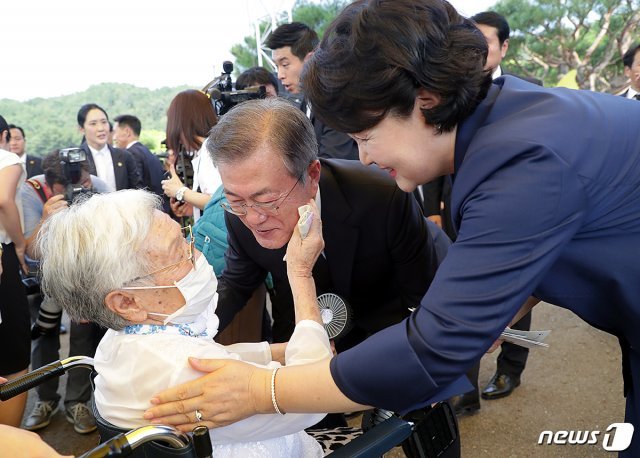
{"points": [[499, 386], [466, 404]]}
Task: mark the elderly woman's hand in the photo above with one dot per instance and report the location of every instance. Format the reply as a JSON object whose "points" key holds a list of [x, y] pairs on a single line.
{"points": [[171, 186], [302, 254], [226, 395]]}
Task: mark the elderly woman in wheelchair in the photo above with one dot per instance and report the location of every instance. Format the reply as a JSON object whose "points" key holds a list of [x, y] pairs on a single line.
{"points": [[117, 260]]}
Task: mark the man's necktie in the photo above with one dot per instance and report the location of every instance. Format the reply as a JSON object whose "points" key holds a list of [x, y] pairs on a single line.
{"points": [[637, 96]]}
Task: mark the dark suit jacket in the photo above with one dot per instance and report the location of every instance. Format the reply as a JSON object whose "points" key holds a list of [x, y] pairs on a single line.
{"points": [[149, 166], [546, 199], [331, 143], [124, 167], [379, 253], [34, 166]]}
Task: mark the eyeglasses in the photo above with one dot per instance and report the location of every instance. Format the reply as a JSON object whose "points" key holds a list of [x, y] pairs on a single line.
{"points": [[188, 234], [270, 208]]}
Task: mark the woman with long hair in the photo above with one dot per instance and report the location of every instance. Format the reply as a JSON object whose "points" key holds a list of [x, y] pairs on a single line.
{"points": [[189, 118]]}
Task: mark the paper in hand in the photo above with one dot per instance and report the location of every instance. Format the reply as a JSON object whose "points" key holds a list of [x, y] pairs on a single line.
{"points": [[527, 339], [306, 218]]}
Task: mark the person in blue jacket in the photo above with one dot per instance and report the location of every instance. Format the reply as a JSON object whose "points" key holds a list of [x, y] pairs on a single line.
{"points": [[545, 200]]}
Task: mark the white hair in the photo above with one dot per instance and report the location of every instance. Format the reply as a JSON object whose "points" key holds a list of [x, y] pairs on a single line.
{"points": [[94, 247]]}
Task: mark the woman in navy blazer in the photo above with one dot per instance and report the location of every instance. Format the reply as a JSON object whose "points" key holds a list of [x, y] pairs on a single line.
{"points": [[546, 202]]}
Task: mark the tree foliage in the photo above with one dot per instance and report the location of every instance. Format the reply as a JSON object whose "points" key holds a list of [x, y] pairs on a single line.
{"points": [[51, 123], [549, 38], [316, 15]]}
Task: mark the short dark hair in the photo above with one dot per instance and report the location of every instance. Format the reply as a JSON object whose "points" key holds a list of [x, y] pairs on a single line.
{"points": [[53, 172], [495, 20], [629, 56], [376, 56], [13, 126], [130, 121], [85, 109], [299, 36], [256, 76]]}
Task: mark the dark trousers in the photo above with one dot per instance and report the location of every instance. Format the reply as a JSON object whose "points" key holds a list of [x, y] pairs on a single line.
{"points": [[512, 358], [83, 341]]}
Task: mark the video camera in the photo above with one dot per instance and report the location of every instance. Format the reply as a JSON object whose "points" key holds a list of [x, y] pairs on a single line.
{"points": [[71, 160], [222, 94]]}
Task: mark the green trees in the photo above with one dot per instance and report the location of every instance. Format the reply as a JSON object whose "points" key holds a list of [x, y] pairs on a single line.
{"points": [[315, 15], [549, 38], [51, 123]]}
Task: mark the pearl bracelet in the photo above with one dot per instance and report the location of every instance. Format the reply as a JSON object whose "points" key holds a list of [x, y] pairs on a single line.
{"points": [[273, 391]]}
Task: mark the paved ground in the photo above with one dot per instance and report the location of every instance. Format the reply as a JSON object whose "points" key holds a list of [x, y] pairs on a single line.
{"points": [[573, 385]]}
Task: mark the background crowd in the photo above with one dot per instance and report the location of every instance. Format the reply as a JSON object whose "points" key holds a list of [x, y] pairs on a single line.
{"points": [[404, 256]]}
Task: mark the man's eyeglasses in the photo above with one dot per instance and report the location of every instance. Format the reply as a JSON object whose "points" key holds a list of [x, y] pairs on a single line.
{"points": [[188, 233], [269, 208]]}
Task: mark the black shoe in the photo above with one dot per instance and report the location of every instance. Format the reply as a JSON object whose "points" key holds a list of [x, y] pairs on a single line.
{"points": [[499, 386], [466, 404]]}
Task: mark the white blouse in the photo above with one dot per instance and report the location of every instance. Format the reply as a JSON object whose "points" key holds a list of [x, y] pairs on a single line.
{"points": [[205, 175], [8, 159], [132, 368]]}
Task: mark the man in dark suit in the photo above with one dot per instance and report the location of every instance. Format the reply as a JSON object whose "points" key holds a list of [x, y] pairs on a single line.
{"points": [[267, 173], [126, 135], [631, 62], [115, 166], [292, 44], [17, 145]]}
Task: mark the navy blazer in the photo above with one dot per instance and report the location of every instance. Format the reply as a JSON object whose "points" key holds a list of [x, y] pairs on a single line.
{"points": [[381, 272], [546, 201], [34, 166], [149, 166], [124, 167]]}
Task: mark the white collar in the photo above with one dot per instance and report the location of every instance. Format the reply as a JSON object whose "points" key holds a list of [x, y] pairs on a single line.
{"points": [[497, 72], [104, 150]]}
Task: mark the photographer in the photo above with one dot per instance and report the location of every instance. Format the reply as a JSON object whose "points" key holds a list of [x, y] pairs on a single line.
{"points": [[42, 196]]}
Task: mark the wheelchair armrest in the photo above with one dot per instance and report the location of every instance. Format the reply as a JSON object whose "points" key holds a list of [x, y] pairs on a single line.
{"points": [[377, 441]]}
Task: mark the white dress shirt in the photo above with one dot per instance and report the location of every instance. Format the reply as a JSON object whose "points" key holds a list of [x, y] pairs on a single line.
{"points": [[132, 368], [104, 165], [631, 93]]}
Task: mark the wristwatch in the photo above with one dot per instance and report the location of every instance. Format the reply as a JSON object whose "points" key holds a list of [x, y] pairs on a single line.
{"points": [[180, 194]]}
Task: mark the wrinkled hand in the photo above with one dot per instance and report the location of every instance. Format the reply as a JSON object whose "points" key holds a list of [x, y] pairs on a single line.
{"points": [[278, 351], [224, 396], [171, 186], [53, 206], [180, 209], [302, 254]]}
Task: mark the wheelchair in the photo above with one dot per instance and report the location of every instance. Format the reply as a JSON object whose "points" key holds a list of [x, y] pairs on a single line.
{"points": [[427, 433]]}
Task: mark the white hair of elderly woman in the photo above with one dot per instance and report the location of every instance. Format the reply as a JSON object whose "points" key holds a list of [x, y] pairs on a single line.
{"points": [[92, 248]]}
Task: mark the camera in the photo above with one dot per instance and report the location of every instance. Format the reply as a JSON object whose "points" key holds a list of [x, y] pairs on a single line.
{"points": [[71, 160], [222, 94]]}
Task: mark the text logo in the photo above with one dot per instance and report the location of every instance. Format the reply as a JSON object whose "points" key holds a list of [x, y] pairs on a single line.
{"points": [[616, 438]]}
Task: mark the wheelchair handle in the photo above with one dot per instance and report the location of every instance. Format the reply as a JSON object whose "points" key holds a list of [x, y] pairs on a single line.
{"points": [[34, 378], [124, 443]]}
